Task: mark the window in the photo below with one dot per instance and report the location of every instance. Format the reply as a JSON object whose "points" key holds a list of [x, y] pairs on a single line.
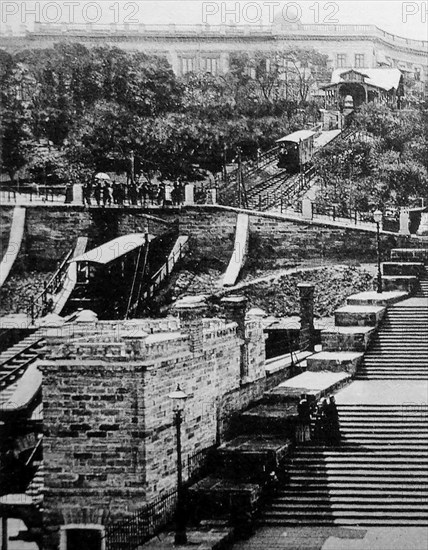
{"points": [[211, 65], [87, 536], [359, 60], [341, 60], [187, 65]]}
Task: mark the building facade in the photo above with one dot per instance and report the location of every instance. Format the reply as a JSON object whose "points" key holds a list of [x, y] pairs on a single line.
{"points": [[209, 48]]}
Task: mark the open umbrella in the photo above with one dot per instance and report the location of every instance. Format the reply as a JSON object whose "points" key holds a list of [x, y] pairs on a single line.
{"points": [[102, 176]]}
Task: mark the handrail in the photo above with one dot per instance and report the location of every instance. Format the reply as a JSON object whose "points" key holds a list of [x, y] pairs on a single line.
{"points": [[162, 273], [21, 352], [34, 451], [52, 286], [12, 376]]}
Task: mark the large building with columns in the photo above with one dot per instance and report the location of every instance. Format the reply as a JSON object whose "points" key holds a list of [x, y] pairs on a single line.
{"points": [[208, 47]]}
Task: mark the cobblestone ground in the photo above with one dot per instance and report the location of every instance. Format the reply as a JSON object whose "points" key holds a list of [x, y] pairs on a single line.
{"points": [[336, 538]]}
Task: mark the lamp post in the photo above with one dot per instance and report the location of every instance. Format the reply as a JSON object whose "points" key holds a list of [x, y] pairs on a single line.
{"points": [[178, 398], [377, 216]]}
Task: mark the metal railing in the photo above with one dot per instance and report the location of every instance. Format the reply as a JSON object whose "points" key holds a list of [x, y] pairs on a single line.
{"points": [[129, 533], [40, 305], [33, 193]]}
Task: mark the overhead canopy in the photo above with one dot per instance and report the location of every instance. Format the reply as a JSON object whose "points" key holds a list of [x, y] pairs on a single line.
{"points": [[297, 137], [114, 249], [387, 79]]}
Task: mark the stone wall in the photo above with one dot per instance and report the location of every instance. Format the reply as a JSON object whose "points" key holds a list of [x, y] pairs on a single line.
{"points": [[274, 241], [109, 442], [6, 215]]}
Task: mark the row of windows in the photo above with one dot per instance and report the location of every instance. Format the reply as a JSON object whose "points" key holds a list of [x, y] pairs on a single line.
{"points": [[359, 60], [206, 64]]}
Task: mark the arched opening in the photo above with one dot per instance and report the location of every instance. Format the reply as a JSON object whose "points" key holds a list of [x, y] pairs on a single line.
{"points": [[353, 89]]}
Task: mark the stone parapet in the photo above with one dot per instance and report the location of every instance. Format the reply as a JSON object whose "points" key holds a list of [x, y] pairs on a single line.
{"points": [[415, 269], [359, 316], [335, 361], [375, 298], [405, 284], [409, 254], [347, 338]]}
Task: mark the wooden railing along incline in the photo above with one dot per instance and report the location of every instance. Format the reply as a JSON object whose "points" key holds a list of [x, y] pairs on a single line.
{"points": [[41, 305], [176, 254]]}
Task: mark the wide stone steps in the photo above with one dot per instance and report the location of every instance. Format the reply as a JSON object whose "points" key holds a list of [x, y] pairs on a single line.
{"points": [[377, 475], [347, 506]]}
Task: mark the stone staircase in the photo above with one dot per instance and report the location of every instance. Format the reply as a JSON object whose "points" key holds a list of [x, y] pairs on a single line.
{"points": [[400, 349], [378, 474]]}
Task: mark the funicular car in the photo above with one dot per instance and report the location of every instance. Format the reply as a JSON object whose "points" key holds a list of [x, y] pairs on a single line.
{"points": [[296, 150]]}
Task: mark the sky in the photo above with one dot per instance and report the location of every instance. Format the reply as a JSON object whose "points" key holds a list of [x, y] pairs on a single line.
{"points": [[404, 18]]}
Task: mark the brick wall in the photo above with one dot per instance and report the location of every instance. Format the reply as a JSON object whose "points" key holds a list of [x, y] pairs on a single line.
{"points": [[110, 441]]}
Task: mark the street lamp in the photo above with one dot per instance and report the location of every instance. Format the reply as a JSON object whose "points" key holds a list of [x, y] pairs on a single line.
{"points": [[178, 398], [377, 216]]}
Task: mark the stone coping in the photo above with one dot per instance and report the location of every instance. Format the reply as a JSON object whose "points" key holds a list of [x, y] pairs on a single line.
{"points": [[314, 381], [376, 298], [282, 411], [337, 356], [405, 264], [276, 364], [221, 485], [255, 444], [360, 309], [348, 330]]}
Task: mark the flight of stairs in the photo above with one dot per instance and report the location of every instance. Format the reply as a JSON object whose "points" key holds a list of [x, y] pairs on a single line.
{"points": [[378, 474], [400, 350]]}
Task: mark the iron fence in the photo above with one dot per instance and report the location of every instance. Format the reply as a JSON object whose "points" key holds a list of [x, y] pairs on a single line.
{"points": [[142, 525]]}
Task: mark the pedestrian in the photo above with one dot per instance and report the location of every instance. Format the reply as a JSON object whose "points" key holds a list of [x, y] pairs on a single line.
{"points": [[167, 201], [107, 193], [332, 420], [87, 193], [161, 194], [320, 430], [133, 195], [98, 192], [303, 428], [116, 192]]}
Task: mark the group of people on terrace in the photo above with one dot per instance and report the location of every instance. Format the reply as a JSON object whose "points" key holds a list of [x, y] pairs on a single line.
{"points": [[318, 421], [106, 192]]}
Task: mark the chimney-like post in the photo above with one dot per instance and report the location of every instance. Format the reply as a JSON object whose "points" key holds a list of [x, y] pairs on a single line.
{"points": [[191, 310], [307, 329], [235, 308]]}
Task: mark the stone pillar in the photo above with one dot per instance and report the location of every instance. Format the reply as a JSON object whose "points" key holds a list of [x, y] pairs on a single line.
{"points": [[77, 193], [191, 310], [235, 308], [423, 226], [307, 330], [189, 194], [307, 208], [404, 221]]}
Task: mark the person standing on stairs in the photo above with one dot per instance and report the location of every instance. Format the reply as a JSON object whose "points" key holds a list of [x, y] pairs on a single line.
{"points": [[303, 428], [332, 421], [321, 428]]}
